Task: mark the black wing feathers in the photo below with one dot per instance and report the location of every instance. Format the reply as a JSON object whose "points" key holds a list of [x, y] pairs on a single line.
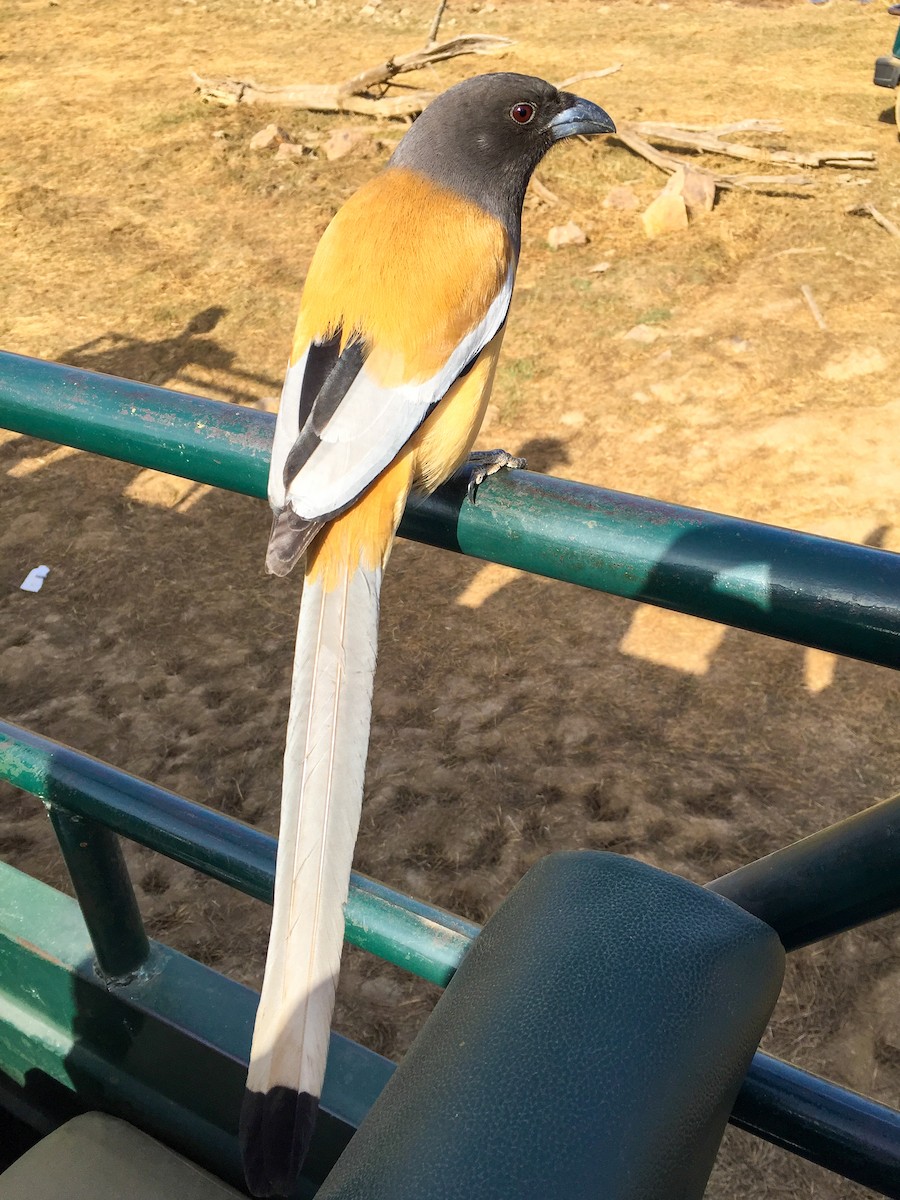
{"points": [[326, 381], [327, 377]]}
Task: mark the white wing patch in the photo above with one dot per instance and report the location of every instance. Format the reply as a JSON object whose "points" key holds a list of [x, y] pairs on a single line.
{"points": [[286, 429], [371, 425]]}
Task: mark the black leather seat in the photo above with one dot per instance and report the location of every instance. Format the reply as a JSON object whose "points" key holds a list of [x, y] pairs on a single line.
{"points": [[590, 1045]]}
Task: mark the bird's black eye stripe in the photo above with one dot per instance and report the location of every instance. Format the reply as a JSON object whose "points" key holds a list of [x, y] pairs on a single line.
{"points": [[522, 113]]}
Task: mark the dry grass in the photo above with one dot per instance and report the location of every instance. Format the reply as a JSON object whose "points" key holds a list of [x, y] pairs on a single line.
{"points": [[135, 241]]}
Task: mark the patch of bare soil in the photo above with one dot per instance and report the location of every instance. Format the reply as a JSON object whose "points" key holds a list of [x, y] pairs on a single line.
{"points": [[513, 716]]}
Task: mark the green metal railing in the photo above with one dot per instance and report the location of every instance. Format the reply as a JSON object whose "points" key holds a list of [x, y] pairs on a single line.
{"points": [[814, 591], [811, 1116], [425, 940]]}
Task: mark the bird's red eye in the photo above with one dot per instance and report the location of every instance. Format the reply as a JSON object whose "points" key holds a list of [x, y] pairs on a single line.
{"points": [[522, 113]]}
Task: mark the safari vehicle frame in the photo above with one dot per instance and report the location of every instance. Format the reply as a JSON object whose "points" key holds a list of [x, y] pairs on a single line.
{"points": [[94, 1015]]}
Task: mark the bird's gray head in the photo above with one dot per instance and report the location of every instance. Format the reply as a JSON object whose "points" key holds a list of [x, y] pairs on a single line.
{"points": [[484, 137]]}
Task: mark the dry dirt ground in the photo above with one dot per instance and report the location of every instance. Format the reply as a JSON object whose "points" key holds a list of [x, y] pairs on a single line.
{"points": [[141, 236]]}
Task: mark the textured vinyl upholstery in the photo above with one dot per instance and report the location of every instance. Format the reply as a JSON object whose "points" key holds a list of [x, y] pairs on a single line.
{"points": [[97, 1157], [591, 1044]]}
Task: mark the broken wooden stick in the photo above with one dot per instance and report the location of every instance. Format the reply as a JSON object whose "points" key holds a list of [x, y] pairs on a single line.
{"points": [[309, 97], [709, 139], [436, 23], [582, 75], [806, 293], [353, 95], [639, 136], [467, 43], [869, 210], [625, 133]]}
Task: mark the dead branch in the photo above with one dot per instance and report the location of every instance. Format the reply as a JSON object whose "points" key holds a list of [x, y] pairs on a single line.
{"points": [[541, 192], [708, 139], [589, 75], [436, 23], [625, 133], [380, 76], [806, 293], [869, 210], [749, 125], [308, 96], [352, 96]]}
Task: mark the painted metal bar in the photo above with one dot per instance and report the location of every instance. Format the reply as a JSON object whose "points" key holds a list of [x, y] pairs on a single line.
{"points": [[102, 884], [167, 1050], [220, 444], [833, 880], [815, 591], [423, 939], [810, 1116], [829, 1125]]}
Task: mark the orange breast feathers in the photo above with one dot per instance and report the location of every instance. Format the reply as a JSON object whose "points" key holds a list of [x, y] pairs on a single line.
{"points": [[409, 267]]}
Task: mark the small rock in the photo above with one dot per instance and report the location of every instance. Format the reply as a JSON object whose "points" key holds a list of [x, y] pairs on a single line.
{"points": [[291, 150], [220, 133], [668, 393], [698, 191], [573, 419], [696, 188], [566, 235], [599, 268], [644, 334], [666, 214], [272, 135], [622, 198], [737, 345], [341, 142], [867, 361]]}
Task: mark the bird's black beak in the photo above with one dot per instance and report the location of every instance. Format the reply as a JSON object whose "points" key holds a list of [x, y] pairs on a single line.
{"points": [[580, 116]]}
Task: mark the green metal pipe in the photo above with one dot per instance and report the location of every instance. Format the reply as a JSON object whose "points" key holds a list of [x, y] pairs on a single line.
{"points": [[819, 592], [833, 880], [815, 591], [840, 1130], [220, 444], [424, 940], [102, 884], [166, 1050]]}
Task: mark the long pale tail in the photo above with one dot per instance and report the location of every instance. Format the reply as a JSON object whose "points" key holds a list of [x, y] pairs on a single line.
{"points": [[324, 765]]}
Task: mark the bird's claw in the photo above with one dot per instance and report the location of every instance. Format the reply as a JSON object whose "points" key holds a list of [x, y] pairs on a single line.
{"points": [[488, 462]]}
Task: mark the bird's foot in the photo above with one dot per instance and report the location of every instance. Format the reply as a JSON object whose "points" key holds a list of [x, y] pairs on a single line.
{"points": [[488, 462]]}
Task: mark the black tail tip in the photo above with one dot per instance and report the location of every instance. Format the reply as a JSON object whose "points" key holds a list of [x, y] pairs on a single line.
{"points": [[276, 1128]]}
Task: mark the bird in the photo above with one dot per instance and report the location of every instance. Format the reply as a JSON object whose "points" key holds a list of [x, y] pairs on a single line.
{"points": [[401, 319]]}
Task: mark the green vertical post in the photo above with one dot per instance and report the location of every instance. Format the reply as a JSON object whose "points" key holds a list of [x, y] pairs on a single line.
{"points": [[896, 48], [102, 884]]}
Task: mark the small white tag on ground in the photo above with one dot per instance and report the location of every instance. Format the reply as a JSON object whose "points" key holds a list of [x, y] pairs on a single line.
{"points": [[34, 580]]}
